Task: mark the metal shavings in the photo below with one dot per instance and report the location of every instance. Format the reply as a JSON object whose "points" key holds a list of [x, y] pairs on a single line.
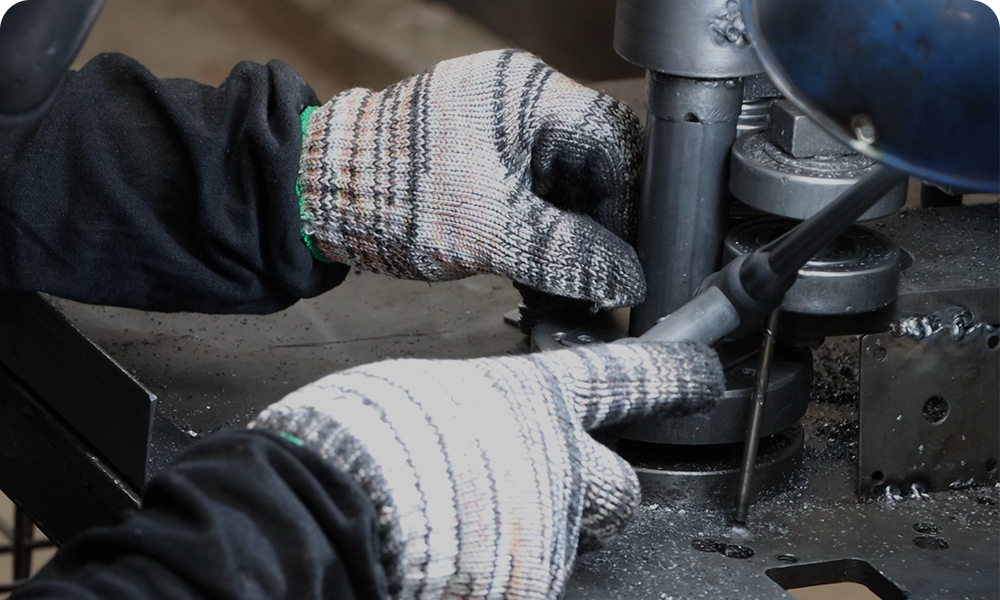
{"points": [[917, 328], [959, 322], [892, 494], [963, 485]]}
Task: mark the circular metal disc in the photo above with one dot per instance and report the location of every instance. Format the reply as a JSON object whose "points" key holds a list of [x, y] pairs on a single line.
{"points": [[708, 477], [858, 273], [913, 84], [770, 180]]}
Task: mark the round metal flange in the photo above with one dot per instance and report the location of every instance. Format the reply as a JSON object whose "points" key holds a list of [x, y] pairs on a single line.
{"points": [[702, 39], [707, 476], [787, 400], [858, 273], [768, 179]]}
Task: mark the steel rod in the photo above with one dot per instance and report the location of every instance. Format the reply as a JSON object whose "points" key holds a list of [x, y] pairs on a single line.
{"points": [[755, 419]]}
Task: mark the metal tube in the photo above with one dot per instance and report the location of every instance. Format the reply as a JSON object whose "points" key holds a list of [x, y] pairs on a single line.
{"points": [[690, 128], [707, 318], [756, 417]]}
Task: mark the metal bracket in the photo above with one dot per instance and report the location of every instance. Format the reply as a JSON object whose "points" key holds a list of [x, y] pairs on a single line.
{"points": [[929, 411], [84, 386]]}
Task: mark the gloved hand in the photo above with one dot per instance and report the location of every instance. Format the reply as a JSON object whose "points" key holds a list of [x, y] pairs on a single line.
{"points": [[483, 473], [442, 176]]}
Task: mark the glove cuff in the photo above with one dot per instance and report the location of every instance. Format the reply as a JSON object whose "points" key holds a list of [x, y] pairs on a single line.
{"points": [[330, 439], [337, 200], [307, 139]]}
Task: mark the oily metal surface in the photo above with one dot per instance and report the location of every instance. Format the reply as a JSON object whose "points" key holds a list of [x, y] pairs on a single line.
{"points": [[930, 410], [941, 546], [955, 254], [658, 556], [215, 372]]}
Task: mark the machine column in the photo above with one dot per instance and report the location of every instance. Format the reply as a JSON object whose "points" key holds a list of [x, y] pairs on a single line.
{"points": [[695, 53]]}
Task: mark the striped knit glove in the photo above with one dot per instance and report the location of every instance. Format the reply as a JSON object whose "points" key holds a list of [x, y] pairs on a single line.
{"points": [[483, 473], [442, 176]]}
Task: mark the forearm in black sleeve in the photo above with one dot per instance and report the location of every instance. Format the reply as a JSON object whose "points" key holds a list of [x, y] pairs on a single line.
{"points": [[242, 515], [161, 194]]}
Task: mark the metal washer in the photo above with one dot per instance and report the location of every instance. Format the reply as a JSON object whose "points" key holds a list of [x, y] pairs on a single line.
{"points": [[858, 273], [768, 179]]}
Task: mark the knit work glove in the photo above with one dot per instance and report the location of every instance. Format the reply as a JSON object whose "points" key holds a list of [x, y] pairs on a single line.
{"points": [[442, 176], [483, 473]]}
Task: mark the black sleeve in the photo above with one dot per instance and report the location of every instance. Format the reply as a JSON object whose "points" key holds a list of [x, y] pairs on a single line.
{"points": [[242, 515], [161, 194]]}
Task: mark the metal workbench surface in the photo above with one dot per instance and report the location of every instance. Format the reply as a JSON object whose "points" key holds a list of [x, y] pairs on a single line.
{"points": [[214, 372]]}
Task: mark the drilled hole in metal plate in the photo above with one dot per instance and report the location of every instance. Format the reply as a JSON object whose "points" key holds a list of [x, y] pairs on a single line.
{"points": [[878, 477], [880, 353], [787, 558], [930, 542], [991, 465], [993, 342], [935, 410]]}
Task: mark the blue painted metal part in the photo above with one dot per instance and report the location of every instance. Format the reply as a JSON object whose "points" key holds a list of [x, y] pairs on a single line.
{"points": [[925, 73]]}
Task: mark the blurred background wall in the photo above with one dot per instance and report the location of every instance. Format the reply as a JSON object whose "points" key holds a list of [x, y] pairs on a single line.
{"points": [[573, 35]]}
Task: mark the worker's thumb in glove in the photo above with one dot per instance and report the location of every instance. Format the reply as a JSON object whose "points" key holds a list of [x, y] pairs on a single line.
{"points": [[482, 471], [490, 163], [611, 494]]}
